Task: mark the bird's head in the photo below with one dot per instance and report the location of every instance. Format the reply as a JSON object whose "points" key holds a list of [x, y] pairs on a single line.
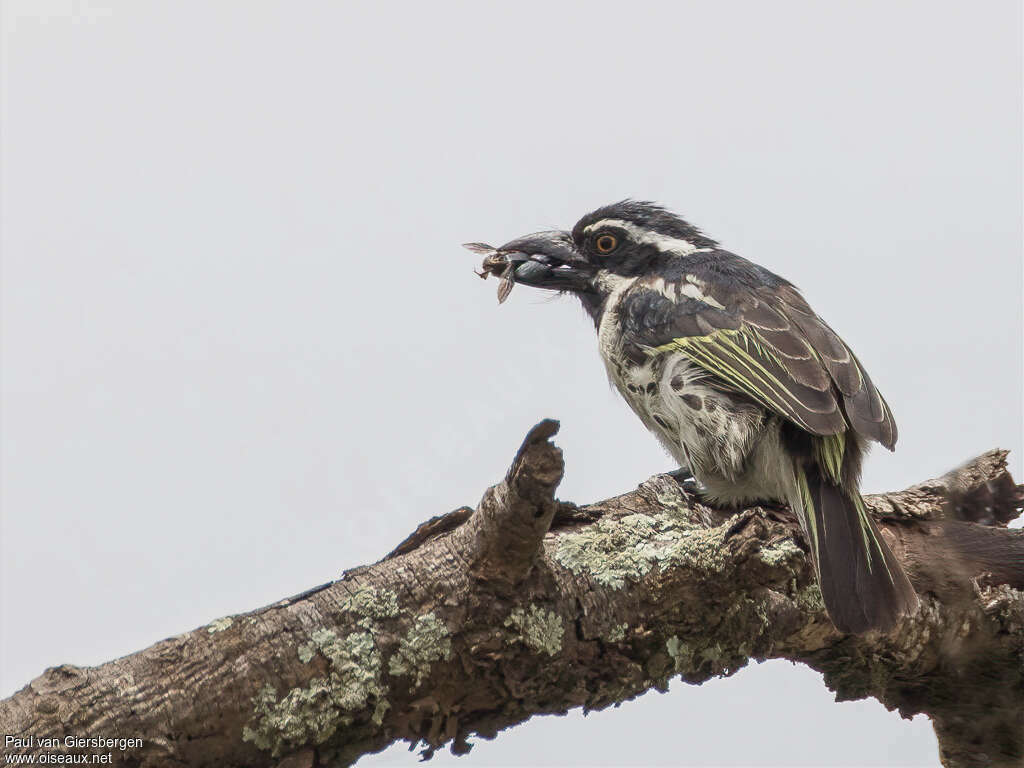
{"points": [[623, 239]]}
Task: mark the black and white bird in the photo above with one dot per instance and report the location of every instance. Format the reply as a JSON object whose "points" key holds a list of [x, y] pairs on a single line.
{"points": [[740, 380]]}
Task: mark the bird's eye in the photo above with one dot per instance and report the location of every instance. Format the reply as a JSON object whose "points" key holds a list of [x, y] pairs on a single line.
{"points": [[606, 243]]}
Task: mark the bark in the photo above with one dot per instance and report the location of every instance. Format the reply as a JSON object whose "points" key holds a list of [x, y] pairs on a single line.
{"points": [[528, 605]]}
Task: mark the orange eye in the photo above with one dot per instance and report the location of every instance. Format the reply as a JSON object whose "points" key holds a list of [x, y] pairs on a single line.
{"points": [[606, 243]]}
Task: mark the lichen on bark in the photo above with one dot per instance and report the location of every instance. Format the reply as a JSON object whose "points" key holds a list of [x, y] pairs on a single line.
{"points": [[219, 625], [538, 628], [493, 617], [372, 604], [426, 641], [313, 712], [617, 551]]}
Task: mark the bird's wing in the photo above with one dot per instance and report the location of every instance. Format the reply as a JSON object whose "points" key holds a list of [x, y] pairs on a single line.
{"points": [[863, 404], [769, 345]]}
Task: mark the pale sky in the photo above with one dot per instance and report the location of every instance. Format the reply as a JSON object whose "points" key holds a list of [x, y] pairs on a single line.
{"points": [[242, 349]]}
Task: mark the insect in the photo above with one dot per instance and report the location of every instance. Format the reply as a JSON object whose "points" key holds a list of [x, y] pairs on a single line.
{"points": [[495, 263]]}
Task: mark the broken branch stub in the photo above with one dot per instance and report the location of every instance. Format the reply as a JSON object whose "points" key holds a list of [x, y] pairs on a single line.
{"points": [[503, 535]]}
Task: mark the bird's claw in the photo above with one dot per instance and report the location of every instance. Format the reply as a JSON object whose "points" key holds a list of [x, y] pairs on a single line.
{"points": [[687, 481]]}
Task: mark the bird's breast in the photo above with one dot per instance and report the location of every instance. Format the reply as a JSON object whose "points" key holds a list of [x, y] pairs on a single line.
{"points": [[701, 425]]}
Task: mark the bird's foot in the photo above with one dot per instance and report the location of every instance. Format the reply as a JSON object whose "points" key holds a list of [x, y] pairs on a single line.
{"points": [[693, 488], [689, 483]]}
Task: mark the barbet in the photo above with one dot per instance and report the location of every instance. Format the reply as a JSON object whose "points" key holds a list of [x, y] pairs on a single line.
{"points": [[740, 380]]}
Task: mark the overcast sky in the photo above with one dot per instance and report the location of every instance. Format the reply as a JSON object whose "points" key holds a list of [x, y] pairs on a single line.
{"points": [[242, 349]]}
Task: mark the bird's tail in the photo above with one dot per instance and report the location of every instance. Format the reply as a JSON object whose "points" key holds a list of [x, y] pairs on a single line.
{"points": [[862, 584]]}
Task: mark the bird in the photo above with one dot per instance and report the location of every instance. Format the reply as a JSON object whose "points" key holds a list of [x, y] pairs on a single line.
{"points": [[745, 386]]}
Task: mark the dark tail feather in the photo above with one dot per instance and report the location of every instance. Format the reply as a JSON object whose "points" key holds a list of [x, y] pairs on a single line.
{"points": [[861, 582]]}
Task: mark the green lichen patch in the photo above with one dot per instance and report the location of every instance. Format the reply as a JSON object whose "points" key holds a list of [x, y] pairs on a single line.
{"points": [[304, 715], [539, 629], [371, 604], [426, 642], [809, 598], [670, 496], [780, 552], [617, 633], [307, 652], [311, 714], [682, 654], [219, 625], [698, 548], [613, 552]]}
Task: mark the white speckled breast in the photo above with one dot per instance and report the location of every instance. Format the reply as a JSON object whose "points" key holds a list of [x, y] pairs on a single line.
{"points": [[704, 428]]}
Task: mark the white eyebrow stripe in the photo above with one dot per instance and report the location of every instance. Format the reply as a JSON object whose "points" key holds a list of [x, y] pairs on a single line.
{"points": [[663, 243]]}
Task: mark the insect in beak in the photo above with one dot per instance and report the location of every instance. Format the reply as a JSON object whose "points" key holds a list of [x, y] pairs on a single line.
{"points": [[495, 263]]}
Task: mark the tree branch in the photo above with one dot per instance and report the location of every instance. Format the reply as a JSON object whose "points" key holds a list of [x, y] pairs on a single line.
{"points": [[527, 605]]}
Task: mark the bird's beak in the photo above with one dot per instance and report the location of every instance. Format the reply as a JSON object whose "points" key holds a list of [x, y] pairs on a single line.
{"points": [[548, 260]]}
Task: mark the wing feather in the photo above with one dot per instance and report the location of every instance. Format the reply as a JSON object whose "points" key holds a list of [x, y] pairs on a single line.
{"points": [[866, 409], [771, 346]]}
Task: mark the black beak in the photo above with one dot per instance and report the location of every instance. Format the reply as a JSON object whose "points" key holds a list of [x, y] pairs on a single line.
{"points": [[548, 260]]}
